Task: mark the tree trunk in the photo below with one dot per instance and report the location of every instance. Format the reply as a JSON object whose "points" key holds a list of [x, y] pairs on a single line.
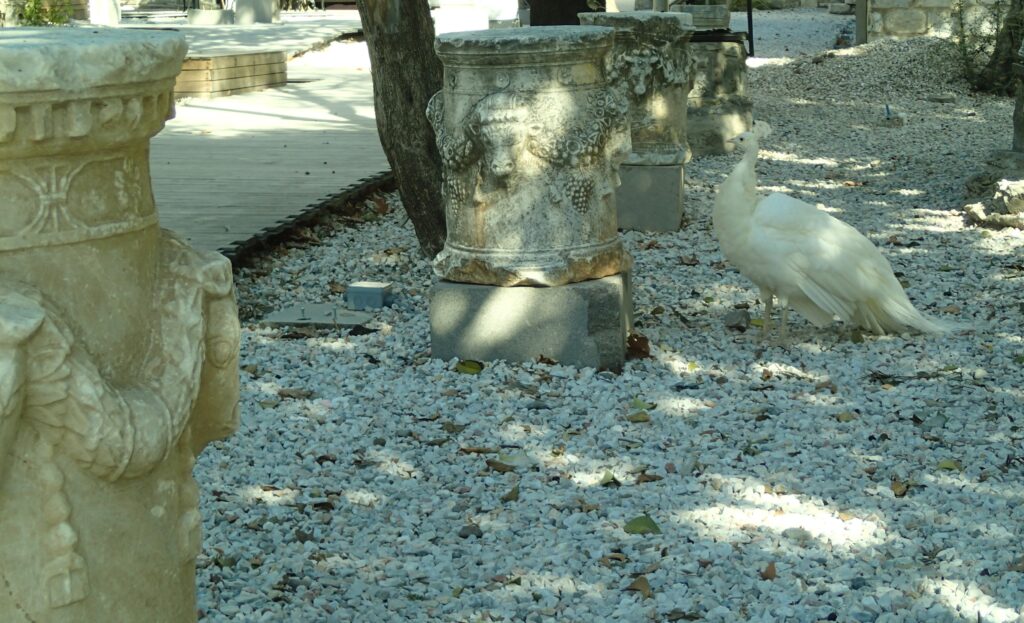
{"points": [[406, 73], [557, 12], [998, 76]]}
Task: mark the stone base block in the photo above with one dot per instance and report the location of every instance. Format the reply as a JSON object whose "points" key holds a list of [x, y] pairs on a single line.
{"points": [[710, 123], [1007, 160], [650, 197], [581, 324], [840, 8], [706, 16], [248, 12], [210, 17]]}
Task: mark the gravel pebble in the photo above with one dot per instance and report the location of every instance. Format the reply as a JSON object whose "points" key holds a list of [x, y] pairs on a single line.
{"points": [[349, 504]]}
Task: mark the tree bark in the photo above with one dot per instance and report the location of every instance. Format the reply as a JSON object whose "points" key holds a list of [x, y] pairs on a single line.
{"points": [[998, 75], [406, 73], [557, 12]]}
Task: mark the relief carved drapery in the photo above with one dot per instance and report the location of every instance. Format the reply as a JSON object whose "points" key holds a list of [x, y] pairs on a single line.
{"points": [[55, 397]]}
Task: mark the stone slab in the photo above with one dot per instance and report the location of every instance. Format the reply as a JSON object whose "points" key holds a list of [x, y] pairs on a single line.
{"points": [[317, 315], [249, 12], [581, 324], [650, 197], [211, 17]]}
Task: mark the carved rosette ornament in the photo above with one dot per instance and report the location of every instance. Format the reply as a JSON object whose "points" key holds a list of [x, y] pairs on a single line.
{"points": [[531, 138], [652, 64], [118, 342]]}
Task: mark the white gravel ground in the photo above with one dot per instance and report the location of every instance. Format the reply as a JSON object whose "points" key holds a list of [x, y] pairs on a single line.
{"points": [[869, 481]]}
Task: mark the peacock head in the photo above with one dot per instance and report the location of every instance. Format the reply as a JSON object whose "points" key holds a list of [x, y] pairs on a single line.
{"points": [[749, 140]]}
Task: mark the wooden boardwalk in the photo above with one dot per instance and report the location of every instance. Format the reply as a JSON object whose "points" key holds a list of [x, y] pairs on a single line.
{"points": [[226, 170]]}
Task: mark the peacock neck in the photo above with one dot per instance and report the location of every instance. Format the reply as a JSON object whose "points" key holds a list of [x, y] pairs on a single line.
{"points": [[737, 196]]}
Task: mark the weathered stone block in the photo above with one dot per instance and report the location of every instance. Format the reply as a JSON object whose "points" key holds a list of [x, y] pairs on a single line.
{"points": [[210, 17], [706, 16], [718, 108], [876, 24], [651, 197], [581, 324], [709, 127], [906, 22], [840, 8], [889, 4], [257, 11]]}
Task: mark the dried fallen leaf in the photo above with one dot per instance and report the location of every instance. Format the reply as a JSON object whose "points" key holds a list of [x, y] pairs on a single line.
{"points": [[512, 495], [546, 360], [498, 466], [641, 404], [641, 525], [478, 450], [294, 392], [586, 507], [689, 261], [615, 558], [469, 366], [637, 347], [678, 615], [453, 428], [769, 573], [952, 465], [846, 416], [640, 417], [642, 586], [436, 442], [899, 487], [645, 477]]}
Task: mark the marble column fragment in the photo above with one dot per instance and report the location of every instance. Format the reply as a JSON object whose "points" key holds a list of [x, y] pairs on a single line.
{"points": [[652, 66], [531, 137], [651, 63], [118, 342]]}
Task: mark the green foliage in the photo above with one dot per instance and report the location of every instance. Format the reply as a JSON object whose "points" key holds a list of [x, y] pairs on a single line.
{"points": [[39, 13], [974, 33]]}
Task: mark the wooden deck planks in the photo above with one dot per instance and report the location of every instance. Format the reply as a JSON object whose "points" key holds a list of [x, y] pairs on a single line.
{"points": [[226, 169]]}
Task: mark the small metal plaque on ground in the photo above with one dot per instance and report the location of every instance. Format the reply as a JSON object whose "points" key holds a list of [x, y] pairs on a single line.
{"points": [[318, 315]]}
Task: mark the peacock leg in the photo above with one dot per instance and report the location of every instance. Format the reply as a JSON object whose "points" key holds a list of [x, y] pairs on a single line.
{"points": [[766, 323]]}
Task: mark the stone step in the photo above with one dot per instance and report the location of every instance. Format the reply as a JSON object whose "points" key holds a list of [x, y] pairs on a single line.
{"points": [[841, 8]]}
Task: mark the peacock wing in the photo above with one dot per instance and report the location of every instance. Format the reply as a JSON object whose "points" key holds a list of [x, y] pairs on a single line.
{"points": [[818, 256]]}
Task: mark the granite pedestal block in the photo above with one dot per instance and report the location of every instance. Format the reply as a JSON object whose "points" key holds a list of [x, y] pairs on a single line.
{"points": [[581, 324], [650, 197], [210, 17]]}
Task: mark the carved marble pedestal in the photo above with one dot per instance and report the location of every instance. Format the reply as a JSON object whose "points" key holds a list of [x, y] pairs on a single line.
{"points": [[653, 68], [719, 108], [118, 342], [531, 137]]}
